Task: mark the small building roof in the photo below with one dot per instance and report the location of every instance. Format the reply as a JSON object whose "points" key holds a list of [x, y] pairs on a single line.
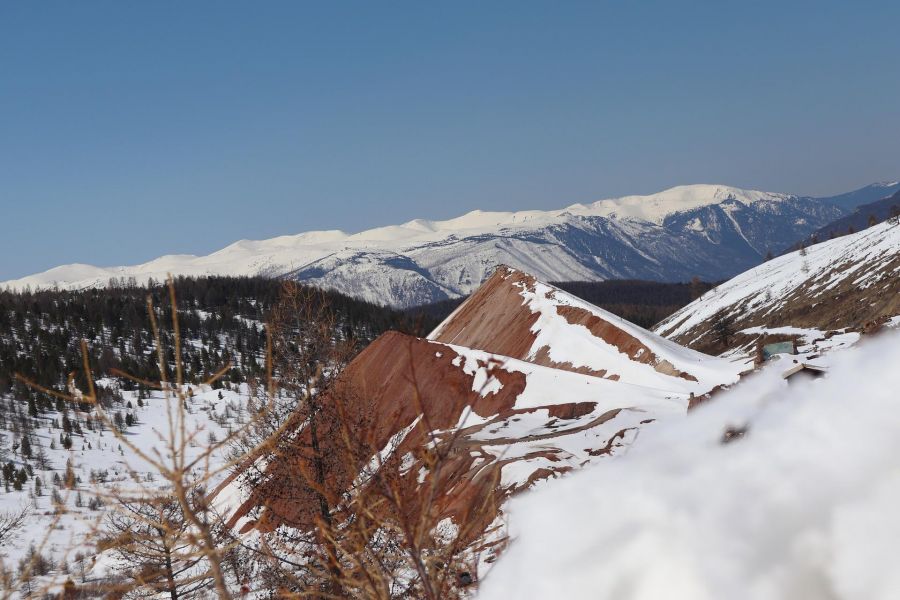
{"points": [[810, 369]]}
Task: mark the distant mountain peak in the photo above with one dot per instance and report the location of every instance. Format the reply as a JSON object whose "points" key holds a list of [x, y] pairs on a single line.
{"points": [[656, 207]]}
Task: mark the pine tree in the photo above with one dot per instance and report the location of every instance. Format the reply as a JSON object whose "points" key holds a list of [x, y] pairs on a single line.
{"points": [[70, 474], [20, 478], [722, 328], [43, 462]]}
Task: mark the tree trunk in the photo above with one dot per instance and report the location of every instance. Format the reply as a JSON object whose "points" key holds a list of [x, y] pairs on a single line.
{"points": [[170, 575], [334, 585]]}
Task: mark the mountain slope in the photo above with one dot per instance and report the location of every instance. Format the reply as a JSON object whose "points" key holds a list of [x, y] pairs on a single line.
{"points": [[858, 220], [520, 420], [864, 195], [841, 283], [709, 231]]}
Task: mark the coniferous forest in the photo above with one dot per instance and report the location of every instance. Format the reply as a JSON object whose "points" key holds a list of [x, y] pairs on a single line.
{"points": [[222, 320]]}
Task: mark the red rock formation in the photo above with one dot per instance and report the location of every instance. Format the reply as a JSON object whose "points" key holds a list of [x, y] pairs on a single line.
{"points": [[498, 318], [385, 389]]}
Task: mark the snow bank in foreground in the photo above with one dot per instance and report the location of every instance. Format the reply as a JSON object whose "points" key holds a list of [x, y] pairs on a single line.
{"points": [[806, 506]]}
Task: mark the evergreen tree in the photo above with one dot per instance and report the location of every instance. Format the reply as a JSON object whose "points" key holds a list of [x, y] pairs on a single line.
{"points": [[722, 328]]}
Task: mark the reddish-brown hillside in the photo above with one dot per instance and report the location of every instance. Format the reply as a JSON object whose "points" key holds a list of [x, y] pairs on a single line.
{"points": [[515, 315]]}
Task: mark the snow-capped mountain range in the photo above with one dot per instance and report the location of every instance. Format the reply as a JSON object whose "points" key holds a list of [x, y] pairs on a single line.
{"points": [[709, 231]]}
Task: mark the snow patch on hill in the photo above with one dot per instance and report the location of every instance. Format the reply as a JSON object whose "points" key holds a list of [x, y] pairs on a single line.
{"points": [[577, 345]]}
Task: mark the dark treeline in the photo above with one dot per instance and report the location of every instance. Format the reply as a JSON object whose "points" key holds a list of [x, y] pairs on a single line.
{"points": [[644, 303], [221, 321]]}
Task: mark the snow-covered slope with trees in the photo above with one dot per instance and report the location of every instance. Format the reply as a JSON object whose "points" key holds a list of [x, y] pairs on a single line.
{"points": [[710, 231], [66, 474], [852, 281]]}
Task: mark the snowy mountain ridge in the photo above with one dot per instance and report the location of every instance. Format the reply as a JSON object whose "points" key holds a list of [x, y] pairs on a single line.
{"points": [[711, 231]]}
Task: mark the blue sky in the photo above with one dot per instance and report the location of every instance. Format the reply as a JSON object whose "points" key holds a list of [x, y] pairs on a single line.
{"points": [[130, 130]]}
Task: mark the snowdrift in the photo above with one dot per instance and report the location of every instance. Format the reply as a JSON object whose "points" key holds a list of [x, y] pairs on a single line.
{"points": [[802, 507]]}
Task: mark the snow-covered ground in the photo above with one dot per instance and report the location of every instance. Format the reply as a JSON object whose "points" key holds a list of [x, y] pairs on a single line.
{"points": [[101, 463], [803, 506]]}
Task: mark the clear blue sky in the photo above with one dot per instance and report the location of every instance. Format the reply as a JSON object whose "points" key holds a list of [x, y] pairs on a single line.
{"points": [[134, 129]]}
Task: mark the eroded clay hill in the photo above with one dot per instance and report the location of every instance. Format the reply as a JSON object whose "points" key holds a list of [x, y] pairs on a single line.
{"points": [[514, 315], [521, 383]]}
